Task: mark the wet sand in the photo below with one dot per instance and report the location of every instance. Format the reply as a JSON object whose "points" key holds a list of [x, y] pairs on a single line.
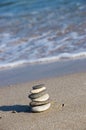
{"points": [[69, 90], [33, 72]]}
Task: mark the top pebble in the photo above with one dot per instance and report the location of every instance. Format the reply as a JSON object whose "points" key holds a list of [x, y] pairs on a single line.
{"points": [[38, 86]]}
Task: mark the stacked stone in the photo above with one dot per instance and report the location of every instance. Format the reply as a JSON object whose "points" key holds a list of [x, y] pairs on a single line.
{"points": [[39, 98]]}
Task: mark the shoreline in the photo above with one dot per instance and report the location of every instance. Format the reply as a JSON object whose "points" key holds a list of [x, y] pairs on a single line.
{"points": [[30, 73]]}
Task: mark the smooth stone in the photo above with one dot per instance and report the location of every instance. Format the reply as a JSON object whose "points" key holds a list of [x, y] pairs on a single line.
{"points": [[38, 90], [37, 95], [38, 86], [34, 103], [42, 98], [41, 108]]}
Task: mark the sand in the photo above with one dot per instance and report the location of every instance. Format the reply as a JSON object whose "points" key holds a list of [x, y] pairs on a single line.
{"points": [[69, 90]]}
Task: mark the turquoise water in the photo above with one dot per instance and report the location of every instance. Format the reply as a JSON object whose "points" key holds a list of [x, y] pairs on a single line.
{"points": [[41, 30]]}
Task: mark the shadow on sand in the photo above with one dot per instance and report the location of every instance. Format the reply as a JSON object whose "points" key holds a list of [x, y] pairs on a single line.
{"points": [[16, 108]]}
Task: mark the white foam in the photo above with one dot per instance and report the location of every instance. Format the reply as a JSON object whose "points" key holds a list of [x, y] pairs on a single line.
{"points": [[44, 60], [13, 52], [74, 35]]}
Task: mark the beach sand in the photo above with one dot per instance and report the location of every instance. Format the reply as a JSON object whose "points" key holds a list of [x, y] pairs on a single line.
{"points": [[69, 90]]}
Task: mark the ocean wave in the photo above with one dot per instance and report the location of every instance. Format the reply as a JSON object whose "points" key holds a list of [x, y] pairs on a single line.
{"points": [[33, 32]]}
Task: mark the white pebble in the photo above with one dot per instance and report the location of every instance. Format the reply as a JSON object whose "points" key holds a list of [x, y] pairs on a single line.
{"points": [[42, 98], [41, 108], [38, 90]]}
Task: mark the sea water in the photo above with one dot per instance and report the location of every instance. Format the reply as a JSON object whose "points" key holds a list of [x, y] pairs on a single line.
{"points": [[34, 31]]}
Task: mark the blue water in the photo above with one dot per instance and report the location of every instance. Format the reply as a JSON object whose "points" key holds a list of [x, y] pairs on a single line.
{"points": [[41, 30]]}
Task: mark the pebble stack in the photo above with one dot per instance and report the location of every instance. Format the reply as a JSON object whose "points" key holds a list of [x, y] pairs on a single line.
{"points": [[39, 98]]}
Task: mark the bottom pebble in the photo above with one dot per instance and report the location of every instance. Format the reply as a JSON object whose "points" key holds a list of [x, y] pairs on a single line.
{"points": [[41, 108]]}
